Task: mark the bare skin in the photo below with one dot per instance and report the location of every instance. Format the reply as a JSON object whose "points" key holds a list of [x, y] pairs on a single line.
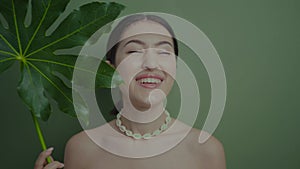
{"points": [[82, 153]]}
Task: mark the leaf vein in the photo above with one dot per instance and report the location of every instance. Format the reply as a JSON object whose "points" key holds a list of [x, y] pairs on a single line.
{"points": [[38, 27], [8, 53], [7, 59], [64, 37], [66, 65], [16, 27], [6, 41], [50, 81]]}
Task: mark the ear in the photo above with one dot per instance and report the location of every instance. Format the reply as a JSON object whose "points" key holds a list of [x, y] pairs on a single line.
{"points": [[108, 62]]}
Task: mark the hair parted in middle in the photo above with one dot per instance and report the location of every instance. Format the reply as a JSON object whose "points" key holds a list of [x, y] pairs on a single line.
{"points": [[115, 36]]}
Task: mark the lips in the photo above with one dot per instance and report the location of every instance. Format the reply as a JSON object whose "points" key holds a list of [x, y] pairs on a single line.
{"points": [[149, 81]]}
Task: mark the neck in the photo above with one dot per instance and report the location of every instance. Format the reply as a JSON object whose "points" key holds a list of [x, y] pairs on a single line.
{"points": [[142, 122], [141, 114]]}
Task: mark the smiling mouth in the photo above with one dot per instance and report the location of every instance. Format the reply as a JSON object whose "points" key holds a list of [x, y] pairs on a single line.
{"points": [[149, 81]]}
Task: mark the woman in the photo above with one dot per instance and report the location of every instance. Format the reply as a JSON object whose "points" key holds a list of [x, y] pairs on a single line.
{"points": [[143, 49]]}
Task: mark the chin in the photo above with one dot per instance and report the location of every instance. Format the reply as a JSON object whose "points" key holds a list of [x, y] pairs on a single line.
{"points": [[144, 102]]}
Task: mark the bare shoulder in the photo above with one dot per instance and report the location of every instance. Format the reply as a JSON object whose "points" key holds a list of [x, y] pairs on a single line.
{"points": [[79, 141], [211, 151], [79, 137], [210, 146], [78, 148]]}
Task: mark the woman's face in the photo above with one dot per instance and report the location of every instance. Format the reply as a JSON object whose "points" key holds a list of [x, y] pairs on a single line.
{"points": [[146, 61]]}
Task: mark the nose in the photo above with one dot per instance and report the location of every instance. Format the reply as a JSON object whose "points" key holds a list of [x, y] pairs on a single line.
{"points": [[149, 59]]}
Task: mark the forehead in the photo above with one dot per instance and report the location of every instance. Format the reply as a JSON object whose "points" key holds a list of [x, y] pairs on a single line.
{"points": [[145, 27]]}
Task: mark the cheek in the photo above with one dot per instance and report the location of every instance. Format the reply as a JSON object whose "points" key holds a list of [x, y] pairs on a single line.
{"points": [[128, 68], [169, 85], [168, 65]]}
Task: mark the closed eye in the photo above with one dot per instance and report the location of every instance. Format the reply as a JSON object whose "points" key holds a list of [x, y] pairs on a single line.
{"points": [[134, 51], [168, 53], [164, 52]]}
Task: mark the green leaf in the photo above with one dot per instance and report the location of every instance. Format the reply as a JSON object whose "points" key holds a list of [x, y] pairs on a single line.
{"points": [[5, 62], [25, 38], [105, 72], [36, 101]]}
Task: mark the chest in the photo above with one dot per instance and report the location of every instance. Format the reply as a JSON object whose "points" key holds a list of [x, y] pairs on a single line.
{"points": [[174, 159]]}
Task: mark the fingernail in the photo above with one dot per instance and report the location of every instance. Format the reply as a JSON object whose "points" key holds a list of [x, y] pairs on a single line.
{"points": [[62, 165], [50, 149]]}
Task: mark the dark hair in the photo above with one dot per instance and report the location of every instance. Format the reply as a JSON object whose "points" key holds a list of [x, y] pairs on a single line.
{"points": [[114, 38]]}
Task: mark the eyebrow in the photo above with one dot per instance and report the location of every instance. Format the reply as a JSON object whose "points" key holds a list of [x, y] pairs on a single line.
{"points": [[163, 43], [142, 43], [134, 41]]}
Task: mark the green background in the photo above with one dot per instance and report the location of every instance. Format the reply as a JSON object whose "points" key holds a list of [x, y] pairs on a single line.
{"points": [[258, 43]]}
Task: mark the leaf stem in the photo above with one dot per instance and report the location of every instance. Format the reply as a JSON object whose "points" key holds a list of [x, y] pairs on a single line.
{"points": [[36, 123], [40, 135], [16, 26]]}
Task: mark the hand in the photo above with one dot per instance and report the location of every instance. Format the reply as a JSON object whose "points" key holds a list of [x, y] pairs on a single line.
{"points": [[41, 162]]}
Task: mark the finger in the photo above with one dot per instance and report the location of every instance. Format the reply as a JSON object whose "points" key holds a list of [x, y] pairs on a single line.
{"points": [[46, 162], [54, 165], [51, 158], [41, 160]]}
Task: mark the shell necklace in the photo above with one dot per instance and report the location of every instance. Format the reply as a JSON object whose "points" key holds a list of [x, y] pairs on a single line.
{"points": [[146, 136]]}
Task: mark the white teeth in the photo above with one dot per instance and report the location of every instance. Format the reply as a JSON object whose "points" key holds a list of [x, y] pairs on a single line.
{"points": [[150, 80]]}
